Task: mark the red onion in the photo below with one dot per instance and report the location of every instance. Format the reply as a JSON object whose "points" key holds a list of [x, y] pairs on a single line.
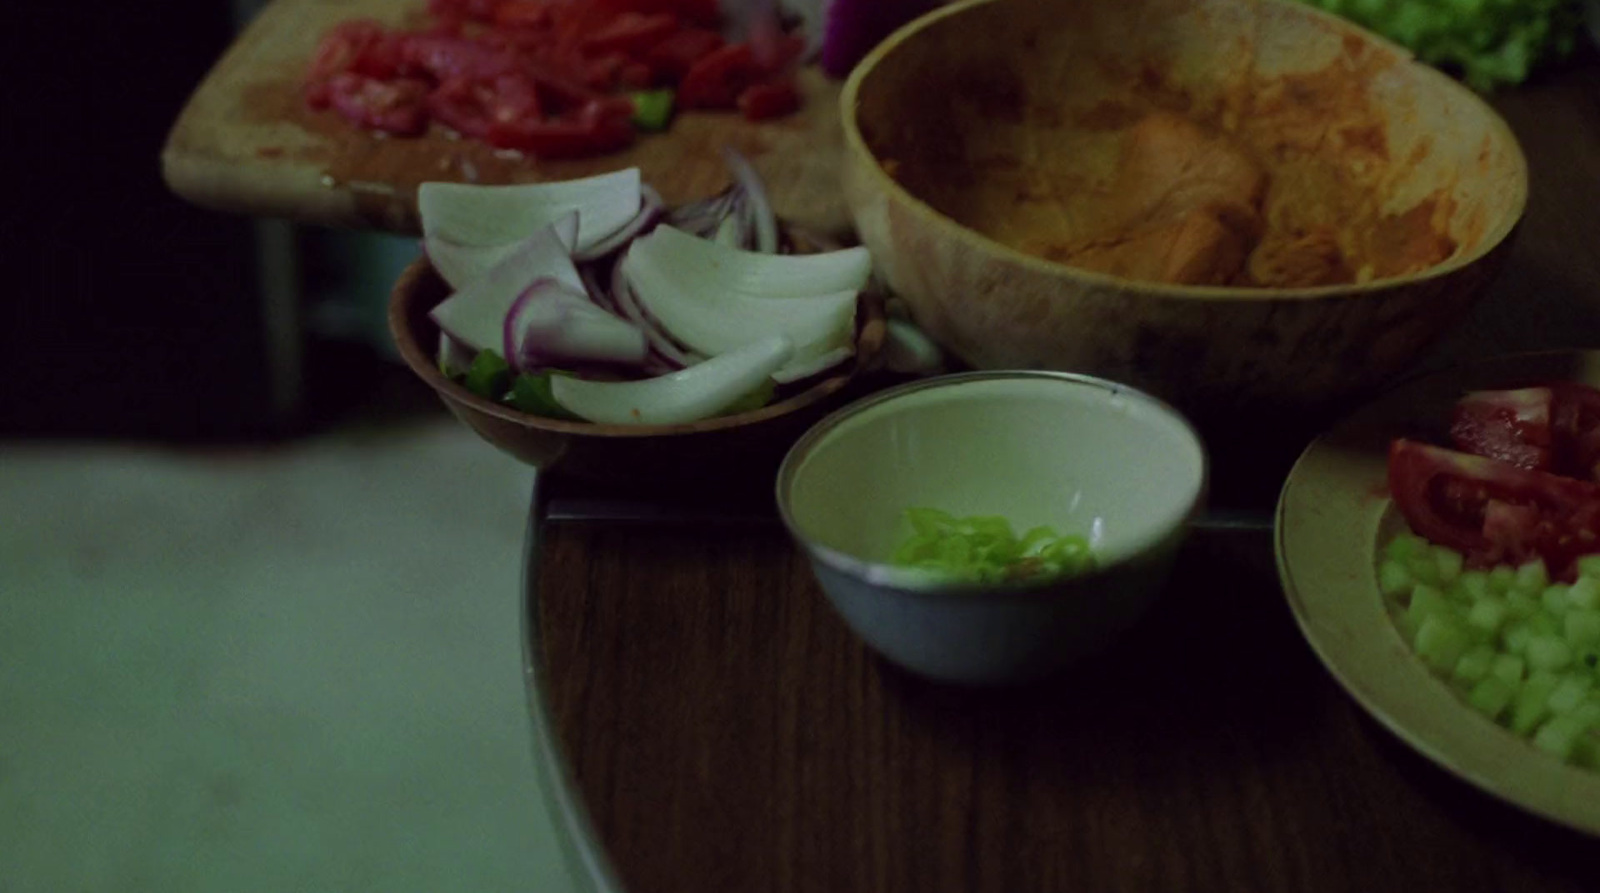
{"points": [[650, 211], [759, 208]]}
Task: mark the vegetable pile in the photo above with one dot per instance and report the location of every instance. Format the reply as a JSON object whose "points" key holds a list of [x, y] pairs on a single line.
{"points": [[1489, 42], [1497, 584], [985, 549], [589, 300], [553, 78]]}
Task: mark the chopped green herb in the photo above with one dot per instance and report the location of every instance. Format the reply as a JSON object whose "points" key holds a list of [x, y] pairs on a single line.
{"points": [[985, 549]]}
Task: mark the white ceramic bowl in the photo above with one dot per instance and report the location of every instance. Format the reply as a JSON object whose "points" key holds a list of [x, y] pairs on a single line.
{"points": [[1080, 454]]}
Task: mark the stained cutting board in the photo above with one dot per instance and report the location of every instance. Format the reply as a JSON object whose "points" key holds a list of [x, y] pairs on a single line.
{"points": [[245, 143]]}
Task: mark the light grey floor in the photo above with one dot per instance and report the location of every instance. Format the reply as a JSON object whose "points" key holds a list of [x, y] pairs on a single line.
{"points": [[284, 669]]}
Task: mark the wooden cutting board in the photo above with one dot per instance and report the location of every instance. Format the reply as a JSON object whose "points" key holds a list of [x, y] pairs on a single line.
{"points": [[246, 143]]}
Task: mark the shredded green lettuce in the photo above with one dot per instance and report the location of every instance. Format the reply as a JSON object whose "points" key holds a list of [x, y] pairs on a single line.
{"points": [[1489, 43], [985, 549]]}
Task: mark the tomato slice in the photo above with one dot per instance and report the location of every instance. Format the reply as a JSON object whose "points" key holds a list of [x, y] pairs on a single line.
{"points": [[1575, 423], [1492, 511], [674, 56], [444, 58], [591, 131], [522, 14], [631, 33], [716, 81], [477, 10], [397, 106], [769, 100], [701, 12], [1512, 426]]}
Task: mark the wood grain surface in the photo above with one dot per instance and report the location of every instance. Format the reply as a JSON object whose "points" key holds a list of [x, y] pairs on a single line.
{"points": [[246, 143], [729, 733]]}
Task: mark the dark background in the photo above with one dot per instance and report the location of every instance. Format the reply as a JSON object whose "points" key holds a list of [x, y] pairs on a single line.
{"points": [[127, 313]]}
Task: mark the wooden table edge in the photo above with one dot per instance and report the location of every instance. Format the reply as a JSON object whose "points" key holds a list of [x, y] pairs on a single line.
{"points": [[578, 836]]}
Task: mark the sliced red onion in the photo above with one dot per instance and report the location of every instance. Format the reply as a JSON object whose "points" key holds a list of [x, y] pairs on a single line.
{"points": [[703, 217], [550, 323], [650, 211], [632, 310], [762, 219], [598, 293]]}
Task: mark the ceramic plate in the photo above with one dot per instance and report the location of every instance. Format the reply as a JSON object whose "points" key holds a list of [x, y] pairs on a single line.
{"points": [[1334, 512]]}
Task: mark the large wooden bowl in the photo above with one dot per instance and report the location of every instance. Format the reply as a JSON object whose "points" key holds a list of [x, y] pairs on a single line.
{"points": [[741, 447], [970, 104]]}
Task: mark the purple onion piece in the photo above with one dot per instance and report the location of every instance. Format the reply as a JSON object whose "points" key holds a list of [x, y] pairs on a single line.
{"points": [[762, 219], [650, 210]]}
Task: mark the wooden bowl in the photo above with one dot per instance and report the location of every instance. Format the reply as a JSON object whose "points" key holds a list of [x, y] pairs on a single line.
{"points": [[966, 128], [710, 451]]}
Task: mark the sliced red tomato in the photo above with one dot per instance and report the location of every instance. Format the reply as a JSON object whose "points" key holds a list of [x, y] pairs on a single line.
{"points": [[674, 56], [701, 12], [1492, 511], [1575, 426], [1512, 426], [522, 14], [444, 58], [769, 100], [591, 131], [361, 46], [396, 106], [631, 33], [717, 79]]}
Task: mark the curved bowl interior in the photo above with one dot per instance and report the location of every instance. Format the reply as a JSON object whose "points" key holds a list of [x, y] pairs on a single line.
{"points": [[1008, 116], [717, 448], [1034, 448]]}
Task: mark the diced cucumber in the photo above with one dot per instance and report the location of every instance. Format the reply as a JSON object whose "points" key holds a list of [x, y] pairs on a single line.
{"points": [[1548, 653], [1516, 637], [1589, 566], [1491, 696], [1571, 693], [1500, 579], [1531, 705], [1427, 601], [1582, 627], [1532, 577], [1394, 579], [1487, 615], [1554, 598], [1474, 665], [1559, 736], [1405, 545], [1449, 563], [1508, 668], [1545, 624], [1472, 585], [1424, 569], [1441, 642], [1522, 605], [1584, 592]]}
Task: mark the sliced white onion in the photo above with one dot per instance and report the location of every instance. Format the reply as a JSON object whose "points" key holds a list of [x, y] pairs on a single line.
{"points": [[819, 363], [759, 208], [550, 324], [651, 208], [717, 321], [453, 358], [475, 314], [691, 394], [661, 342], [700, 264], [467, 214]]}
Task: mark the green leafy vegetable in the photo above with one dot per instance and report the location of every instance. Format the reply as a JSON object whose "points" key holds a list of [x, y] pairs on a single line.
{"points": [[985, 549], [489, 375], [531, 394], [1489, 42]]}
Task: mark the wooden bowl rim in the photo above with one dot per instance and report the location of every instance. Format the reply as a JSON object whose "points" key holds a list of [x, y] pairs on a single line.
{"points": [[870, 334], [855, 144]]}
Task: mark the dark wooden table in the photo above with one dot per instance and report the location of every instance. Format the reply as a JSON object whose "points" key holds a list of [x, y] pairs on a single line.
{"points": [[728, 733]]}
